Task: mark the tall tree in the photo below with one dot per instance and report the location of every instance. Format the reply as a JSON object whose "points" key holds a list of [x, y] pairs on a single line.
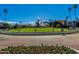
{"points": [[50, 23], [69, 9], [20, 22], [38, 22], [75, 7], [0, 15], [20, 25], [66, 20], [5, 11]]}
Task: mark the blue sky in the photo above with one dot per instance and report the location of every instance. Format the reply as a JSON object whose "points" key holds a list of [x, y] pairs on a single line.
{"points": [[30, 12]]}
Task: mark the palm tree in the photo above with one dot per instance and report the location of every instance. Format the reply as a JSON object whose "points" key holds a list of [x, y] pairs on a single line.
{"points": [[75, 7], [69, 9], [0, 15], [20, 25], [5, 11], [20, 22], [38, 20], [38, 24], [50, 23], [66, 20]]}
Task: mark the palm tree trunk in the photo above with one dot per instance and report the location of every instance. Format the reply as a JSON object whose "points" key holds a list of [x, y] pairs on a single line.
{"points": [[5, 17], [71, 19], [75, 13], [67, 21], [75, 16]]}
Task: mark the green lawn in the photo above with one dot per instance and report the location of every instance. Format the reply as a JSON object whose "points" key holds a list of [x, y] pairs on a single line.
{"points": [[37, 30]]}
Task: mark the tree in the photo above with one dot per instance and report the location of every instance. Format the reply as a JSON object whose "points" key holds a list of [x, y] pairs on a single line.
{"points": [[15, 26], [0, 15], [75, 7], [66, 20], [50, 23], [20, 22], [37, 23], [6, 25], [77, 22], [69, 9], [5, 11], [58, 26], [20, 25]]}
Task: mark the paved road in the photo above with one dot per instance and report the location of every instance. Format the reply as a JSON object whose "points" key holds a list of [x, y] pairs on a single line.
{"points": [[71, 40]]}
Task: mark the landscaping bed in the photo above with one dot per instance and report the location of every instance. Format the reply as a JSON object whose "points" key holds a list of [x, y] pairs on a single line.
{"points": [[37, 50], [37, 30]]}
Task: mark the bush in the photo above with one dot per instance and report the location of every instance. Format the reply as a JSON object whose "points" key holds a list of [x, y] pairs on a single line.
{"points": [[58, 26], [38, 50]]}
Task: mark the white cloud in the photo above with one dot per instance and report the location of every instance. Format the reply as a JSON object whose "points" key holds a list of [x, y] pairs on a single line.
{"points": [[1, 21], [12, 22], [33, 23], [9, 22]]}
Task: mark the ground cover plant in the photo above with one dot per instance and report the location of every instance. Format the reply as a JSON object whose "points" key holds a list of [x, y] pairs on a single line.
{"points": [[38, 30], [38, 50]]}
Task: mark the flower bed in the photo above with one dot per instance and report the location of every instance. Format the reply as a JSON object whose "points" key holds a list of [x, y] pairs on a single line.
{"points": [[38, 50]]}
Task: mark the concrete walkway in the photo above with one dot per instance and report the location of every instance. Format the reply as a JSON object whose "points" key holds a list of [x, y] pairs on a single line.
{"points": [[70, 40]]}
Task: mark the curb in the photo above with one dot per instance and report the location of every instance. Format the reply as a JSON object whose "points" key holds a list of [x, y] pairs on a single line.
{"points": [[75, 50], [37, 33]]}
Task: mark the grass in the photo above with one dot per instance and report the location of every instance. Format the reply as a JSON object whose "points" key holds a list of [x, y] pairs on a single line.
{"points": [[38, 50], [37, 30]]}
